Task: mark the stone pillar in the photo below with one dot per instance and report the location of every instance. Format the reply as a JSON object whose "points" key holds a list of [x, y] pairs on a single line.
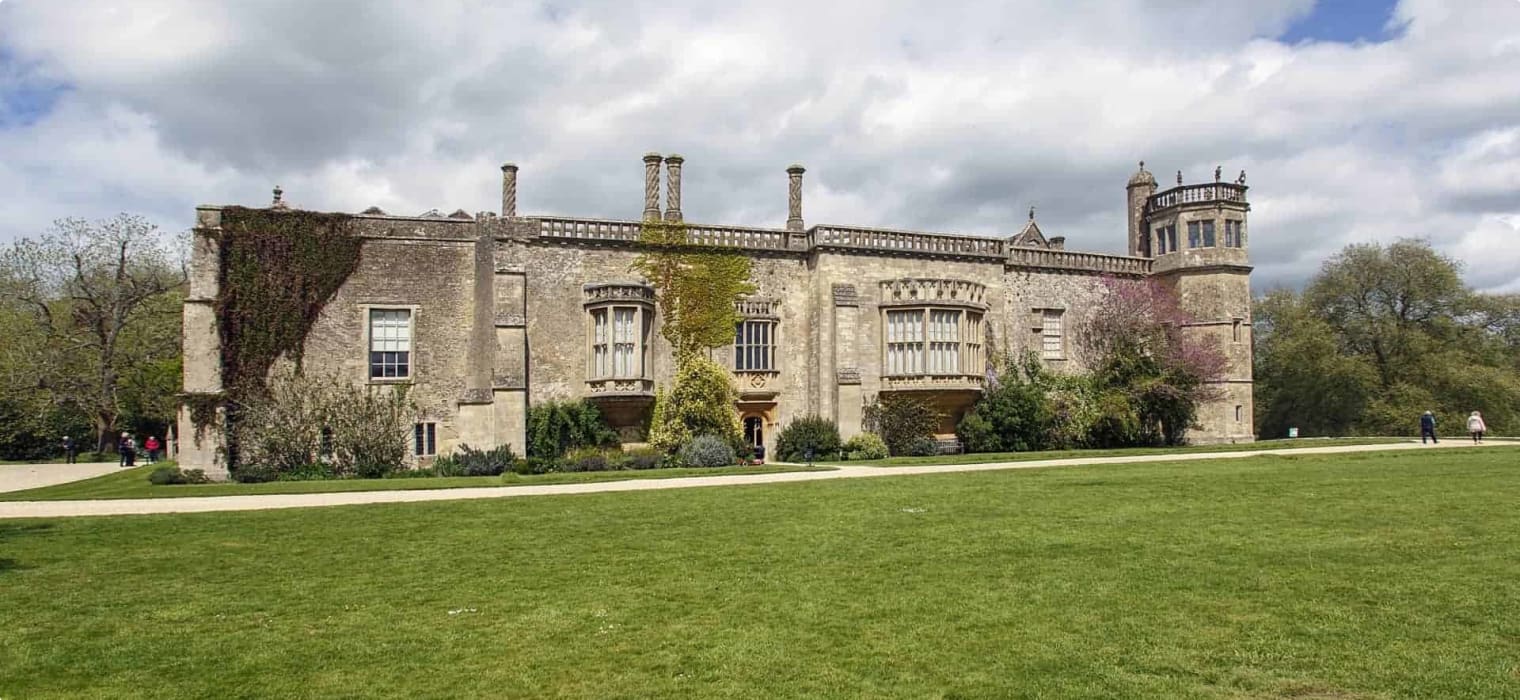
{"points": [[200, 431], [673, 187], [847, 390], [509, 190], [794, 198], [1057, 243], [651, 187]]}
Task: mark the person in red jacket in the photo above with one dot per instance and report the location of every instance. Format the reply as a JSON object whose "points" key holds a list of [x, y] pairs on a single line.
{"points": [[152, 446]]}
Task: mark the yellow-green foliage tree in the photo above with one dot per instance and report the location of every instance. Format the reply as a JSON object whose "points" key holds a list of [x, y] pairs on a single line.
{"points": [[697, 289]]}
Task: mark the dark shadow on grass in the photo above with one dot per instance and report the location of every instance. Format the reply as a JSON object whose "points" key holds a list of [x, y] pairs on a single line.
{"points": [[13, 530]]}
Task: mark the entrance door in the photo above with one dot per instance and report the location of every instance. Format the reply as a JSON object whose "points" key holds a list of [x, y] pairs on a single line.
{"points": [[754, 433]]}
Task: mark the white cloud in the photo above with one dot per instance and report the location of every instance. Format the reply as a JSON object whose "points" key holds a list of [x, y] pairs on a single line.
{"points": [[910, 114]]}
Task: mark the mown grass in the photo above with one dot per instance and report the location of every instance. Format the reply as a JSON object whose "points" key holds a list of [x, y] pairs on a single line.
{"points": [[1370, 575], [990, 457], [133, 483]]}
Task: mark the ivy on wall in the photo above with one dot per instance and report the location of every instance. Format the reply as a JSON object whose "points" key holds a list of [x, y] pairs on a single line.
{"points": [[278, 269]]}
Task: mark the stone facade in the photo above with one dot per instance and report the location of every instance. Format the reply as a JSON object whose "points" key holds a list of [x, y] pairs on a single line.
{"points": [[497, 312]]}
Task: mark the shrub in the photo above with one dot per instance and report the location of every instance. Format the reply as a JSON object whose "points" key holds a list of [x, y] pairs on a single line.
{"points": [[708, 451], [321, 418], [1014, 415], [195, 476], [644, 458], [924, 447], [467, 461], [700, 402], [816, 432], [902, 421], [254, 474], [307, 472], [588, 459], [556, 427], [865, 446], [166, 475], [535, 465]]}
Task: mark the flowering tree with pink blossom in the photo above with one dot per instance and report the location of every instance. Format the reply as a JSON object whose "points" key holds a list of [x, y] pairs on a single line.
{"points": [[1141, 345]]}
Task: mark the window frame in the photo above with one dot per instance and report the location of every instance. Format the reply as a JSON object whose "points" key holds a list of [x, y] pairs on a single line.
{"points": [[425, 439], [367, 319], [1059, 317], [744, 346], [936, 341], [614, 334]]}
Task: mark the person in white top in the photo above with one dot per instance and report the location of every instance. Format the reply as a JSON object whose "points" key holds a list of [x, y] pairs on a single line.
{"points": [[1476, 427]]}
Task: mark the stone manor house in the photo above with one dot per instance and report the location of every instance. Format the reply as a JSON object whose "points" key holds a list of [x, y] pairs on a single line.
{"points": [[488, 314]]}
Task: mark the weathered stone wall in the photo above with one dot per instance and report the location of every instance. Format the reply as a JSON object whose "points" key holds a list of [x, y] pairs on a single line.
{"points": [[500, 322]]}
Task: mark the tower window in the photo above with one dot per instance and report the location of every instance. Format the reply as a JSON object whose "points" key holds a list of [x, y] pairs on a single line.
{"points": [[1195, 239], [1208, 234], [1232, 237], [1240, 413], [1235, 330]]}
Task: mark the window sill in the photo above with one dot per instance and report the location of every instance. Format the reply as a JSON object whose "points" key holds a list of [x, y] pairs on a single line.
{"points": [[391, 380]]}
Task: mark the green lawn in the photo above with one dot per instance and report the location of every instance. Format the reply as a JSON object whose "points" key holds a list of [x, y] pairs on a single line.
{"points": [[133, 483], [988, 457], [1372, 575]]}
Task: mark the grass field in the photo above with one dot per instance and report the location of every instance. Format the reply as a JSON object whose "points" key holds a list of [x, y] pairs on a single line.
{"points": [[989, 457], [1373, 575], [133, 483]]}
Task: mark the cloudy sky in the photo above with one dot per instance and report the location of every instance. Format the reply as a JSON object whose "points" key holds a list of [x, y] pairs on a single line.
{"points": [[1355, 120]]}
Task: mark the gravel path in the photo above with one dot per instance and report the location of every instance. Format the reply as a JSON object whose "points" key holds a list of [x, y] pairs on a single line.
{"points": [[202, 504], [19, 477]]}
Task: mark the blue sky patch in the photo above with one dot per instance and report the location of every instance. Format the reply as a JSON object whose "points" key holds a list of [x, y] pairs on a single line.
{"points": [[1345, 21], [25, 97]]}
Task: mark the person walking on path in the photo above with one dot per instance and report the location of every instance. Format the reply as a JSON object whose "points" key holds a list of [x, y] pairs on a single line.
{"points": [[1476, 426], [70, 450], [1428, 428], [152, 446], [121, 451]]}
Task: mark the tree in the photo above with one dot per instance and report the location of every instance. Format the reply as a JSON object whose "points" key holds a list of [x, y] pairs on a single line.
{"points": [[1388, 302], [96, 295], [1303, 379], [1140, 344], [1380, 335]]}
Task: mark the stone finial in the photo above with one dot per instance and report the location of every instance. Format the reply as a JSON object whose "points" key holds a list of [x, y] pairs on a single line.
{"points": [[652, 186], [1031, 212], [509, 189], [279, 199], [1179, 177], [1242, 179], [673, 187], [1218, 172], [794, 197]]}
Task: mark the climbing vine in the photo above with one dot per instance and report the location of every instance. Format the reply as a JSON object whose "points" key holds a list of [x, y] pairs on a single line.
{"points": [[696, 288], [278, 269]]}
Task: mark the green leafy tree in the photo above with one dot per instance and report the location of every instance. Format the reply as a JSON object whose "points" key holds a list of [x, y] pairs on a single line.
{"points": [[556, 427], [94, 292], [1380, 335]]}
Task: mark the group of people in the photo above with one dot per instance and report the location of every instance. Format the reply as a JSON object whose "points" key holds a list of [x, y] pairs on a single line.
{"points": [[126, 450], [1475, 427]]}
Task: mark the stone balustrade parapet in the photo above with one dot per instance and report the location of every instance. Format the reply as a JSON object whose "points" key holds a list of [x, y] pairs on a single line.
{"points": [[1207, 193], [914, 243], [1075, 260], [852, 238]]}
